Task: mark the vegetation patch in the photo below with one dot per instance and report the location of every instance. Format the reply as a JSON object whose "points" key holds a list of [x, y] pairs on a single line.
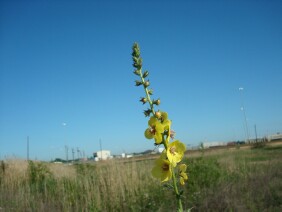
{"points": [[227, 181]]}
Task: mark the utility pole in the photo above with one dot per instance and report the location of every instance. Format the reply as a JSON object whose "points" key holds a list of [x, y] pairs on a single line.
{"points": [[72, 154], [256, 133], [27, 148], [67, 153], [244, 114], [77, 149], [101, 149], [65, 138]]}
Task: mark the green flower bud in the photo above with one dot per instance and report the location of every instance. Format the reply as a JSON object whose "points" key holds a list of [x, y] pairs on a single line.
{"points": [[146, 73], [147, 112], [143, 100], [139, 63], [137, 83], [146, 84], [135, 59], [157, 102], [137, 72], [135, 50], [150, 92]]}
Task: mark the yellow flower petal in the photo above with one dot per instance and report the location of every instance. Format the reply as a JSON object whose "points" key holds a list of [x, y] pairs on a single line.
{"points": [[175, 152], [158, 138], [156, 129], [166, 124], [152, 121], [182, 167], [182, 182], [164, 116], [162, 169], [184, 175]]}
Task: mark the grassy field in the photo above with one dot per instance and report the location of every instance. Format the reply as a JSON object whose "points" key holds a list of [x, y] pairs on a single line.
{"points": [[235, 179]]}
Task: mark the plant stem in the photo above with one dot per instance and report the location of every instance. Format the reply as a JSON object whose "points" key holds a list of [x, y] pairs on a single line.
{"points": [[180, 208], [147, 93]]}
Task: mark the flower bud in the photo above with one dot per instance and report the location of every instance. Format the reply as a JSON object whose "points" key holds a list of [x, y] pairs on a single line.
{"points": [[137, 72], [146, 84], [137, 83], [143, 100], [147, 112], [146, 73], [157, 102], [137, 62], [148, 134], [135, 59], [135, 50], [158, 114], [150, 92]]}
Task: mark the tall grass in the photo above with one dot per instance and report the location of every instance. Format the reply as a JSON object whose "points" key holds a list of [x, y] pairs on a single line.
{"points": [[239, 180]]}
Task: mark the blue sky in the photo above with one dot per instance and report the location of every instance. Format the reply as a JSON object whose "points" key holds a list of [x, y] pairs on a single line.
{"points": [[70, 62]]}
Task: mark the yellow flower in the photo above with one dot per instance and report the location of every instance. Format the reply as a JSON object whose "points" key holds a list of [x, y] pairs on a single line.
{"points": [[182, 167], [183, 176], [175, 152], [181, 180], [165, 121], [163, 118], [155, 130], [162, 168]]}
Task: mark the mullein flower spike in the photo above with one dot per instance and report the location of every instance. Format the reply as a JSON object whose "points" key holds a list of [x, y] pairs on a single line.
{"points": [[159, 129]]}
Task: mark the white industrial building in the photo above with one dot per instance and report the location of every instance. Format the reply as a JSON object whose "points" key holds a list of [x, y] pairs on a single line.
{"points": [[102, 155], [213, 144], [274, 137]]}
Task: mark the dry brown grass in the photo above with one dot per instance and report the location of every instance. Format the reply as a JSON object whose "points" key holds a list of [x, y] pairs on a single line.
{"points": [[220, 179], [62, 170]]}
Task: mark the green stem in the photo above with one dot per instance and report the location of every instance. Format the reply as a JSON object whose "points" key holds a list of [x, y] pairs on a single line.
{"points": [[180, 208], [177, 194], [147, 93]]}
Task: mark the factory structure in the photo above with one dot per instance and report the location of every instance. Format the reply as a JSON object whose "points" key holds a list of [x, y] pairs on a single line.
{"points": [[102, 155], [106, 155]]}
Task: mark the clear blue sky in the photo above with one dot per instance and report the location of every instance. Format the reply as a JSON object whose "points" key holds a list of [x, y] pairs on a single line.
{"points": [[70, 62]]}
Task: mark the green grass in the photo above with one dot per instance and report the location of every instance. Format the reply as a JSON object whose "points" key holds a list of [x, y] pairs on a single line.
{"points": [[237, 180]]}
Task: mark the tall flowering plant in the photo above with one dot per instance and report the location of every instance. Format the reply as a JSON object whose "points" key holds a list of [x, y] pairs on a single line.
{"points": [[168, 167]]}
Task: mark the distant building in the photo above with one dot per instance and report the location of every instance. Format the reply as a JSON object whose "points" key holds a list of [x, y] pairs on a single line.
{"points": [[102, 155], [123, 155], [213, 144], [277, 136]]}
